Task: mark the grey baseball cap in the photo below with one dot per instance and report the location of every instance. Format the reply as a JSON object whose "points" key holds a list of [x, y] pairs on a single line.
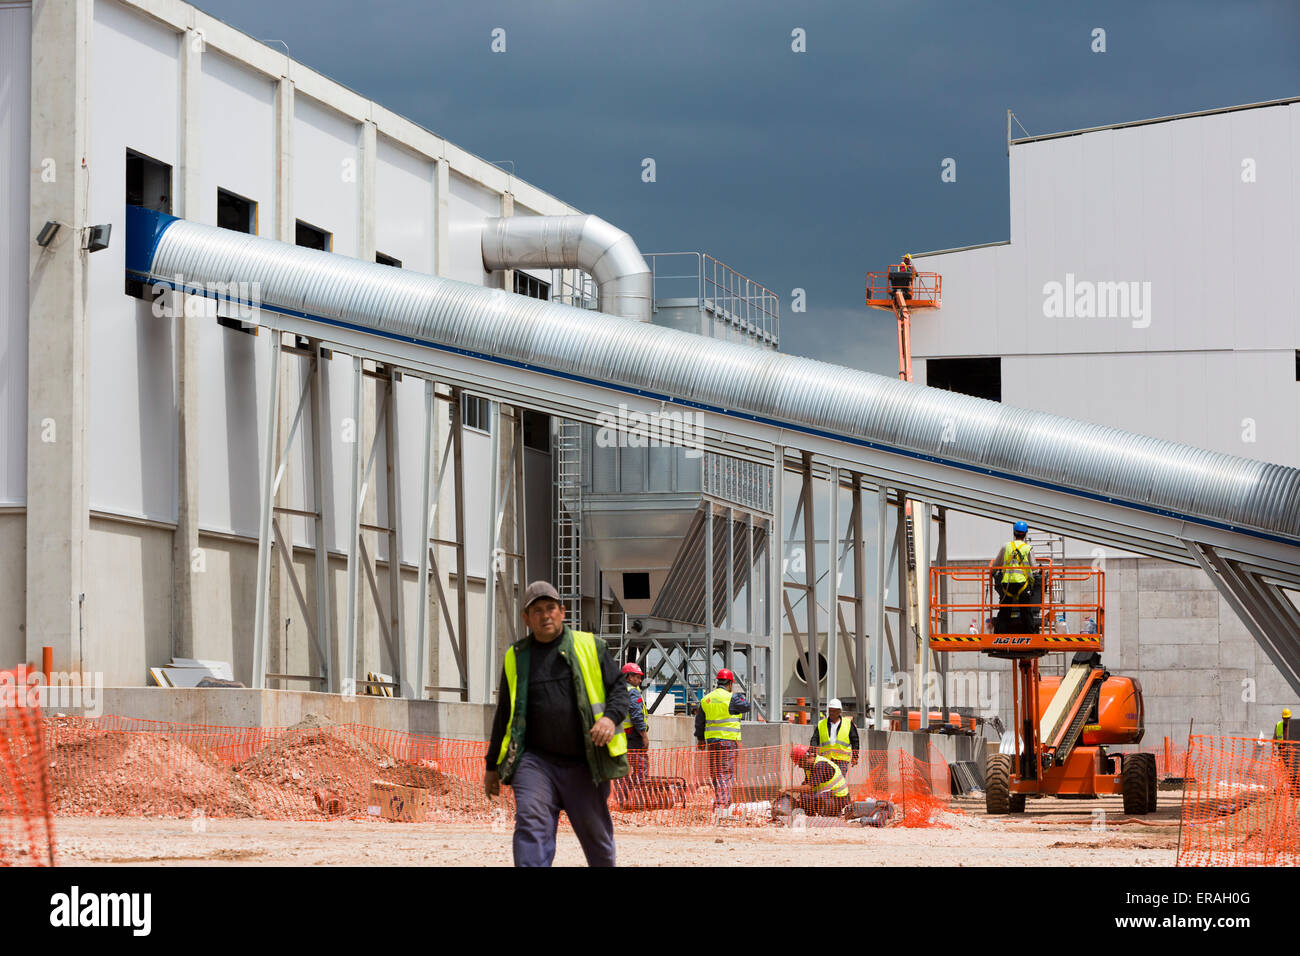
{"points": [[540, 589]]}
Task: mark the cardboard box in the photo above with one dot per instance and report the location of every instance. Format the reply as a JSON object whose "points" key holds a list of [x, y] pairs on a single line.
{"points": [[393, 801]]}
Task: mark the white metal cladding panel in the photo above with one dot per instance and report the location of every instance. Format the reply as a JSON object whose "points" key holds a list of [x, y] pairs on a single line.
{"points": [[336, 458], [132, 402], [413, 426], [326, 172], [1200, 398], [478, 478], [1263, 226], [468, 206], [234, 378], [15, 148], [1162, 203], [404, 206], [237, 138]]}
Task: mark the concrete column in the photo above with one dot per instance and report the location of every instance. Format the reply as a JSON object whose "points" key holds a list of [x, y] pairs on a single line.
{"points": [[285, 231], [185, 541], [57, 502], [441, 218], [368, 627]]}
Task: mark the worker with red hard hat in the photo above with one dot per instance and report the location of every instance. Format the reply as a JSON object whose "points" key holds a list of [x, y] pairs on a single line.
{"points": [[717, 728], [637, 726], [825, 793]]}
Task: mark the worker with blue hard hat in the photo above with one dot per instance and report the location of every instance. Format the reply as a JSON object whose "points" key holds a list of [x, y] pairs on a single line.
{"points": [[1016, 582]]}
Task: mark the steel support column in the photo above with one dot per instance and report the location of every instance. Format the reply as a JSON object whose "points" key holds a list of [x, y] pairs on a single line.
{"points": [[776, 590], [266, 505], [882, 562]]}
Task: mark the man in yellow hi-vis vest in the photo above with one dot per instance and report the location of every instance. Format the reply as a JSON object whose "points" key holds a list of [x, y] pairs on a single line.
{"points": [[836, 737], [556, 738], [1016, 580], [717, 728]]}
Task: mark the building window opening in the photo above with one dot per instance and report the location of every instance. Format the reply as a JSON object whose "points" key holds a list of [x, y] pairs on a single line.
{"points": [[636, 585], [474, 413], [980, 377], [236, 213], [148, 184], [384, 260], [309, 237], [537, 430], [531, 286]]}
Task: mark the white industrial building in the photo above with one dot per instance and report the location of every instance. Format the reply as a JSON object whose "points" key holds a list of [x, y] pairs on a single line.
{"points": [[1146, 284], [129, 525]]}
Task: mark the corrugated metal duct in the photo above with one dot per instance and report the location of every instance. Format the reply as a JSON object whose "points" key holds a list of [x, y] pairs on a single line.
{"points": [[784, 389], [624, 285]]}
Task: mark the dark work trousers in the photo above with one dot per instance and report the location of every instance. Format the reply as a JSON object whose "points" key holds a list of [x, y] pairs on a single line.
{"points": [[722, 769], [542, 790]]}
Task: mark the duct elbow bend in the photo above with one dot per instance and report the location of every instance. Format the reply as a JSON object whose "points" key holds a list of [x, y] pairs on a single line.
{"points": [[607, 253]]}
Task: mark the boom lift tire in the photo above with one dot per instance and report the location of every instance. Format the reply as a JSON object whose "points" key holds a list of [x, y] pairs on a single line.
{"points": [[998, 797], [1138, 783]]}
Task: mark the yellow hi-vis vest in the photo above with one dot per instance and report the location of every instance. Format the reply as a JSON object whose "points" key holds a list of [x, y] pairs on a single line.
{"points": [[839, 750], [837, 786], [1279, 732], [719, 722], [1016, 555], [584, 650], [634, 696]]}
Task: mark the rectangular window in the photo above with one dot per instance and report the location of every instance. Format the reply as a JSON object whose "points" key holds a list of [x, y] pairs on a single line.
{"points": [[148, 184], [537, 430], [636, 585], [473, 412], [310, 237], [384, 260], [238, 214], [531, 286], [1297, 365], [980, 377]]}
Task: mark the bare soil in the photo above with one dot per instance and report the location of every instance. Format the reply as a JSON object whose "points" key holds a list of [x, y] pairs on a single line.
{"points": [[1050, 832]]}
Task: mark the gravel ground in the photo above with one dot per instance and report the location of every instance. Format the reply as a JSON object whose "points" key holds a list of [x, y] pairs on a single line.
{"points": [[1055, 832]]}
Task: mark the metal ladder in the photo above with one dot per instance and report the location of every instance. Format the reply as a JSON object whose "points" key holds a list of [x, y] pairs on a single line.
{"points": [[568, 517], [1048, 546]]}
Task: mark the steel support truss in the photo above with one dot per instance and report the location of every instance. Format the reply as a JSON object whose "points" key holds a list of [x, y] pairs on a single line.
{"points": [[441, 603]]}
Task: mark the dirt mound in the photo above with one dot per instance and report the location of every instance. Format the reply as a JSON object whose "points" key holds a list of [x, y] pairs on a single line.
{"points": [[104, 773]]}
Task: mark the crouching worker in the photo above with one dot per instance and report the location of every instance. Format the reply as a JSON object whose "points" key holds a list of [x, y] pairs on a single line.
{"points": [[824, 791]]}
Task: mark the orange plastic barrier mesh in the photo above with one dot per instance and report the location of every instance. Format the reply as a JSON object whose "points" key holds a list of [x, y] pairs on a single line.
{"points": [[26, 825], [1240, 803], [920, 789], [117, 766]]}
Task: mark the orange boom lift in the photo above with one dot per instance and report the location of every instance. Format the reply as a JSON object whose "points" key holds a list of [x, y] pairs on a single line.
{"points": [[1061, 726]]}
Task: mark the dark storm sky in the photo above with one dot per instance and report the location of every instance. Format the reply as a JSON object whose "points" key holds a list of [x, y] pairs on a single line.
{"points": [[801, 170]]}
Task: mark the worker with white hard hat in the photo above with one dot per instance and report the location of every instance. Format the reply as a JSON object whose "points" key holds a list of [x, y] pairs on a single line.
{"points": [[836, 737]]}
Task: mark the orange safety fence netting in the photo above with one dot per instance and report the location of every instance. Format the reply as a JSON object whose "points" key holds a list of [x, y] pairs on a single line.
{"points": [[26, 827], [1240, 803], [317, 770], [920, 790]]}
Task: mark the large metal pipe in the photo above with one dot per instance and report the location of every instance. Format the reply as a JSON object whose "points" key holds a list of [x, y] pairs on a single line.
{"points": [[623, 280], [1095, 462]]}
